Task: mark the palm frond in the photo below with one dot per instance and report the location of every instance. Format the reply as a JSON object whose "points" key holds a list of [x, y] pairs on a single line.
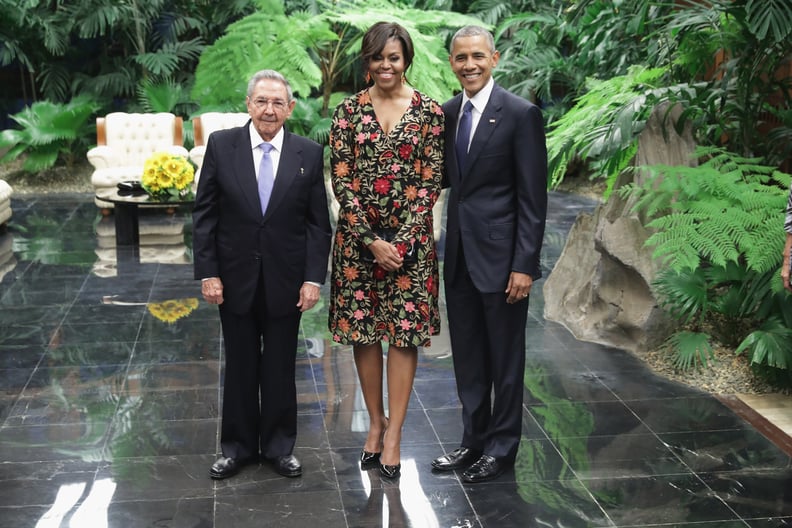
{"points": [[769, 345], [693, 349]]}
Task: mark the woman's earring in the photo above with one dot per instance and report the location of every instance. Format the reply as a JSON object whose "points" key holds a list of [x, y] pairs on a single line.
{"points": [[368, 78], [403, 78]]}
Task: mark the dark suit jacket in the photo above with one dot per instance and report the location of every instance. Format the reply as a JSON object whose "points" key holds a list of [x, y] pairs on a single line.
{"points": [[497, 208], [234, 241]]}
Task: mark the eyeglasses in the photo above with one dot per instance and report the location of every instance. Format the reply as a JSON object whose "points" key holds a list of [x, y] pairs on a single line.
{"points": [[277, 104]]}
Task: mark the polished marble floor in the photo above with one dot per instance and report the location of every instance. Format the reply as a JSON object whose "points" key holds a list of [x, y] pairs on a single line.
{"points": [[110, 381]]}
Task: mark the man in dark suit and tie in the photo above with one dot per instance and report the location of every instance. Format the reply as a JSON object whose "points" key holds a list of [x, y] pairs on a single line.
{"points": [[261, 239], [497, 205]]}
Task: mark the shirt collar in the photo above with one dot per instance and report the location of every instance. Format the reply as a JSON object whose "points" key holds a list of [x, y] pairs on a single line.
{"points": [[480, 99], [255, 138]]}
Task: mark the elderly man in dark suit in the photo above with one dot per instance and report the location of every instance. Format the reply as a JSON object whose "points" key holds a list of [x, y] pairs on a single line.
{"points": [[261, 239], [496, 166]]}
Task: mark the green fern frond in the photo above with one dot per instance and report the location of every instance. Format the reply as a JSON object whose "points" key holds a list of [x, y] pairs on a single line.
{"points": [[727, 209], [603, 122]]}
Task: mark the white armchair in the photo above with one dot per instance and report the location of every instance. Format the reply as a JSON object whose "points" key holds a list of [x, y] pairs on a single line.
{"points": [[5, 202], [204, 125], [124, 142]]}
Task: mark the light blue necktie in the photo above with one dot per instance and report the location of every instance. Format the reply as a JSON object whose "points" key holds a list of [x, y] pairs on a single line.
{"points": [[266, 178], [463, 136]]}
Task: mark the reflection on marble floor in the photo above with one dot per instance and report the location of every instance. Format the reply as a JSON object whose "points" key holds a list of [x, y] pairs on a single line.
{"points": [[111, 394]]}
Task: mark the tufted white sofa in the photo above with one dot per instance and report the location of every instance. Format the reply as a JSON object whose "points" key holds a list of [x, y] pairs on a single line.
{"points": [[5, 202], [124, 142], [204, 125]]}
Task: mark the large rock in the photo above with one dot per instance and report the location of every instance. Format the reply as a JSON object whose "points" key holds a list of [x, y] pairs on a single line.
{"points": [[600, 287]]}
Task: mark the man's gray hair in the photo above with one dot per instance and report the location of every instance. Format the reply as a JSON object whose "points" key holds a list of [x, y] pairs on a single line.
{"points": [[270, 75], [473, 31]]}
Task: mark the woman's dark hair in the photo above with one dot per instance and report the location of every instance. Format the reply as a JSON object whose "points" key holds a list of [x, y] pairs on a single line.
{"points": [[378, 35]]}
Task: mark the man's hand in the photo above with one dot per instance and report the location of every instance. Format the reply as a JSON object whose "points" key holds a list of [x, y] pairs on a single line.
{"points": [[519, 287], [309, 295], [212, 290]]}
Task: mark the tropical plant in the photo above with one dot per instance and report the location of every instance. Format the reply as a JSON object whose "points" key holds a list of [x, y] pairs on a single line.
{"points": [[318, 51], [716, 227], [49, 132], [550, 48], [106, 48], [741, 49], [265, 37], [602, 128]]}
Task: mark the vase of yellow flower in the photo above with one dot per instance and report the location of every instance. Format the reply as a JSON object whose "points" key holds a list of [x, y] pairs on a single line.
{"points": [[168, 176]]}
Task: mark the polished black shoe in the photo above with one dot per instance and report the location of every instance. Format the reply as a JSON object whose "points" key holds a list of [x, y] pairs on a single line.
{"points": [[224, 467], [390, 472], [485, 468], [368, 460], [287, 466], [457, 459]]}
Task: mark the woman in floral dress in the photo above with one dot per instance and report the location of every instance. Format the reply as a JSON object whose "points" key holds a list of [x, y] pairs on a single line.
{"points": [[386, 158]]}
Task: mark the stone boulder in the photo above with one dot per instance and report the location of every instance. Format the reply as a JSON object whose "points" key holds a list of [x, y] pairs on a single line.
{"points": [[600, 287]]}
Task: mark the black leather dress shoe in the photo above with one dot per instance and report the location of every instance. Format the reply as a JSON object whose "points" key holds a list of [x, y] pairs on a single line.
{"points": [[457, 459], [287, 466], [224, 467], [485, 468]]}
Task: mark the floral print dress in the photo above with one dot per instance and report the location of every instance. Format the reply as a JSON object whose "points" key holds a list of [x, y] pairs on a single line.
{"points": [[385, 181]]}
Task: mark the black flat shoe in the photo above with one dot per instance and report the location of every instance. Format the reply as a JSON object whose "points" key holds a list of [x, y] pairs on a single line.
{"points": [[457, 459], [287, 466], [368, 460], [390, 472], [485, 468], [224, 467]]}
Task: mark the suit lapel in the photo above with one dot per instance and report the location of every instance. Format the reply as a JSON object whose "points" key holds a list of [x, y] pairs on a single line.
{"points": [[451, 125], [288, 166], [244, 170], [486, 126]]}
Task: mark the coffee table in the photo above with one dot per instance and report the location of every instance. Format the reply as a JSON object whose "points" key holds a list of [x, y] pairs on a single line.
{"points": [[127, 219]]}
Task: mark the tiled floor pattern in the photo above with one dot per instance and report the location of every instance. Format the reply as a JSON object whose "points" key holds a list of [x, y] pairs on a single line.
{"points": [[110, 385]]}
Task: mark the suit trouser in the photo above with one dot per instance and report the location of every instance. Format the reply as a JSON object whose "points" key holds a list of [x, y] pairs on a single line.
{"points": [[259, 391], [488, 344]]}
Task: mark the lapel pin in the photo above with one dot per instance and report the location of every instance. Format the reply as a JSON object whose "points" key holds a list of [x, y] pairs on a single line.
{"points": [[302, 171], [491, 121]]}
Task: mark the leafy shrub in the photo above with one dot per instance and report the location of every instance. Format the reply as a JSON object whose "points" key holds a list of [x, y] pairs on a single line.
{"points": [[719, 228], [50, 131]]}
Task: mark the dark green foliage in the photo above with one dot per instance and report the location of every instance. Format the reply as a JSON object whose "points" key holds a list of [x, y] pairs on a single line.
{"points": [[603, 126], [736, 52], [551, 48], [718, 226], [105, 47], [728, 209], [317, 52], [265, 39], [49, 131], [693, 349]]}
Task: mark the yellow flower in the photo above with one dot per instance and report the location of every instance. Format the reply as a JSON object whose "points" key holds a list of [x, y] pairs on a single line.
{"points": [[167, 175], [173, 309]]}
